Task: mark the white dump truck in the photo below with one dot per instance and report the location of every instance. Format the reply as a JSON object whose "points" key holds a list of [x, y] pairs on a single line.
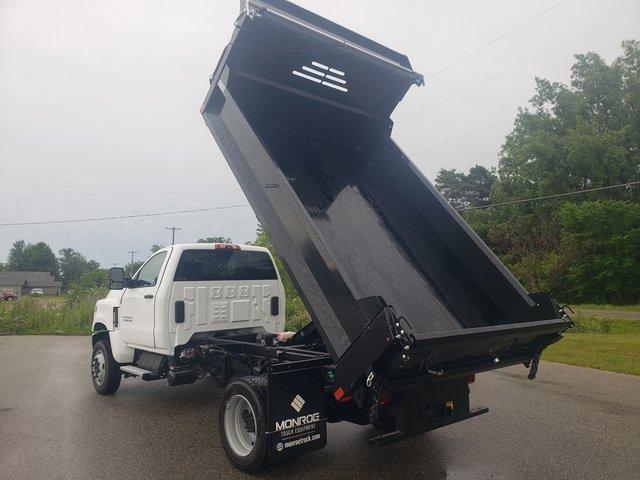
{"points": [[182, 292], [407, 303], [172, 317]]}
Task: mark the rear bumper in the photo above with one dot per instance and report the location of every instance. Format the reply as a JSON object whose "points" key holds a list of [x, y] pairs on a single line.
{"points": [[411, 359], [446, 355]]}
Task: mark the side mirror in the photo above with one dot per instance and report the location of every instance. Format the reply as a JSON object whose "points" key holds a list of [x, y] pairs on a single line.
{"points": [[116, 278]]}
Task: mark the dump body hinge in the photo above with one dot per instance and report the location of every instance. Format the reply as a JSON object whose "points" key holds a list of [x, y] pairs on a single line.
{"points": [[358, 360]]}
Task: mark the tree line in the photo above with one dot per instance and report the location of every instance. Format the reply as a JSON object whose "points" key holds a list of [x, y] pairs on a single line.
{"points": [[581, 136], [71, 266]]}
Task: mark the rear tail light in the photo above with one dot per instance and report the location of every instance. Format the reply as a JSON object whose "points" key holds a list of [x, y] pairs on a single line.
{"points": [[471, 378], [226, 246], [340, 395]]}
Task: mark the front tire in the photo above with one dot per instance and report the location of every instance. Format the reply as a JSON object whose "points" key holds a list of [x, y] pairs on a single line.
{"points": [[105, 371], [242, 423]]}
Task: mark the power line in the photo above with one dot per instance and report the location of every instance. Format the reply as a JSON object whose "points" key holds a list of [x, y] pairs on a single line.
{"points": [[546, 197], [514, 67], [499, 37], [99, 219], [446, 142]]}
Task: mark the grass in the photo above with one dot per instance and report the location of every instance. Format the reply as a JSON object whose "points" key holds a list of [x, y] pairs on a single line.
{"points": [[595, 306], [70, 315], [615, 353], [602, 343], [614, 326]]}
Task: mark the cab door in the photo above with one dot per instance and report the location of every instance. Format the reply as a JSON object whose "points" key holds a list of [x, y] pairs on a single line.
{"points": [[137, 310]]}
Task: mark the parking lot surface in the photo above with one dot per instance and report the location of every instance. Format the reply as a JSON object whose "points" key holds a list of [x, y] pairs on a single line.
{"points": [[569, 423]]}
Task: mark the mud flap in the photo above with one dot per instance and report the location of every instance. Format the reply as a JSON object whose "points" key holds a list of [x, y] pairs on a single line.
{"points": [[296, 420]]}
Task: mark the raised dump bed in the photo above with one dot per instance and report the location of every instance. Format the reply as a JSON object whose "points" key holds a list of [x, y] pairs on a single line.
{"points": [[300, 108]]}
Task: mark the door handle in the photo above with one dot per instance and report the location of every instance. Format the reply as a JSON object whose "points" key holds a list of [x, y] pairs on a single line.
{"points": [[148, 295]]}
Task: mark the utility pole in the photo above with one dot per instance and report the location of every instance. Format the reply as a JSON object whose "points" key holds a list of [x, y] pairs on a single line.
{"points": [[173, 233], [132, 252]]}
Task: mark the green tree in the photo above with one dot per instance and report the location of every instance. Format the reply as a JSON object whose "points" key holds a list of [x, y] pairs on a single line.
{"points": [[16, 260], [30, 257], [571, 137], [463, 190], [40, 258], [73, 265], [215, 240], [601, 240], [295, 311], [95, 278], [579, 136]]}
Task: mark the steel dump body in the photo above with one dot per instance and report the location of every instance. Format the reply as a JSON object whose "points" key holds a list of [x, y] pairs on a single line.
{"points": [[300, 108]]}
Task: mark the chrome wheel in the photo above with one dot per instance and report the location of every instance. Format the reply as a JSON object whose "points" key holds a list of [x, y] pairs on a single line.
{"points": [[98, 367], [240, 425]]}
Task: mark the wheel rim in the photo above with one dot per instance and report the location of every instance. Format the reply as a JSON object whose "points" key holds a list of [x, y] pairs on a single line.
{"points": [[240, 425], [98, 367]]}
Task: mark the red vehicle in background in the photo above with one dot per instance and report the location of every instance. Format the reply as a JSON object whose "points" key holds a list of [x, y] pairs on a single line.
{"points": [[7, 296]]}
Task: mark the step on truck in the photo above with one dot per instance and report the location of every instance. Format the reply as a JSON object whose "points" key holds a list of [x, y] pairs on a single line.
{"points": [[407, 303]]}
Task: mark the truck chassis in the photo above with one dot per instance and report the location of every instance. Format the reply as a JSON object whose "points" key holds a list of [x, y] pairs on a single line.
{"points": [[279, 395]]}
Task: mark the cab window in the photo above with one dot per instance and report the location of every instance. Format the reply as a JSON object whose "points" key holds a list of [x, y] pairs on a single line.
{"points": [[147, 276], [214, 265]]}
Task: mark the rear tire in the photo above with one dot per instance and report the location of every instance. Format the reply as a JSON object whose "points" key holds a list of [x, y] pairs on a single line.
{"points": [[105, 371], [242, 423]]}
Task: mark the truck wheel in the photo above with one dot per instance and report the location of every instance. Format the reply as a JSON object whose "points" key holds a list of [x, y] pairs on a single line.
{"points": [[105, 371], [242, 422]]}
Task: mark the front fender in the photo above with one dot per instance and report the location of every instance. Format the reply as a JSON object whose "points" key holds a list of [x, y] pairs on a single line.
{"points": [[103, 327], [103, 314]]}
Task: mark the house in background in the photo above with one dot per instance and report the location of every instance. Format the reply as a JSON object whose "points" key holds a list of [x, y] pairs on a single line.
{"points": [[22, 283]]}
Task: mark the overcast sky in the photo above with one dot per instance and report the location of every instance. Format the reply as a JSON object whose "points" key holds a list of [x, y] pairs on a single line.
{"points": [[99, 103]]}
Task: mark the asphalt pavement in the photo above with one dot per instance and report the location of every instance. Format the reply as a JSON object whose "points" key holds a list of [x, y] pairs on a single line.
{"points": [[570, 423]]}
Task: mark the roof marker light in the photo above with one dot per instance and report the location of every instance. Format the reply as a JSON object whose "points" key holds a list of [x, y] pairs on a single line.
{"points": [[226, 246]]}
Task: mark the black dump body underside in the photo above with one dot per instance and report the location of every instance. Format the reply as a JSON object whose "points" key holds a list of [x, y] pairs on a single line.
{"points": [[301, 109], [355, 202]]}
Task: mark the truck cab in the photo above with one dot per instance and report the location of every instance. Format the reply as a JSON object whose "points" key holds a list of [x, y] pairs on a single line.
{"points": [[190, 290]]}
